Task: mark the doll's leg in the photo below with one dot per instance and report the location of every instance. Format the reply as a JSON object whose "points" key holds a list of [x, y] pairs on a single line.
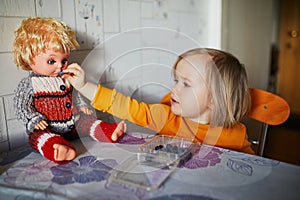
{"points": [[99, 130], [63, 152], [52, 146]]}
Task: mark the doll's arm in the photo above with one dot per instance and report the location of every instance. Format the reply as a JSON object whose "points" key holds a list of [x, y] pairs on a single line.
{"points": [[24, 108], [78, 100], [41, 125], [81, 103], [86, 110]]}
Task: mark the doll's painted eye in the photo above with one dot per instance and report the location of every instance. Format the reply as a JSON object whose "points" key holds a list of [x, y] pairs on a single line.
{"points": [[51, 62], [64, 61]]}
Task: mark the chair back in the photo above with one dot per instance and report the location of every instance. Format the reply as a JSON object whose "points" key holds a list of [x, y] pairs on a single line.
{"points": [[268, 108]]}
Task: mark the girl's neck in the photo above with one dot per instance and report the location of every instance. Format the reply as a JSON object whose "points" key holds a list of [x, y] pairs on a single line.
{"points": [[200, 120]]}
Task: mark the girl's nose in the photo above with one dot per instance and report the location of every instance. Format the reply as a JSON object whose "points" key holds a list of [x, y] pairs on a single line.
{"points": [[175, 89]]}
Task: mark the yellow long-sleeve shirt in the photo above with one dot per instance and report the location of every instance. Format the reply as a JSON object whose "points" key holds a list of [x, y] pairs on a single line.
{"points": [[159, 118]]}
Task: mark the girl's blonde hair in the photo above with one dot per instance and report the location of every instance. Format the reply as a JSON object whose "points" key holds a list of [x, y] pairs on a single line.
{"points": [[227, 82], [35, 35]]}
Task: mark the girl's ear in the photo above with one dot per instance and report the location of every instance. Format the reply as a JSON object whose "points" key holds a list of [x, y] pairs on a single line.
{"points": [[211, 105]]}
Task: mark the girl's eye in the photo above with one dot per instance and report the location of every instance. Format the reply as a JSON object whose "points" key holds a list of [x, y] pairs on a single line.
{"points": [[186, 84], [51, 62], [176, 81]]}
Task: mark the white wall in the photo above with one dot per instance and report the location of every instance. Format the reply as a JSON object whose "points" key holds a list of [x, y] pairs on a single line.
{"points": [[247, 32], [120, 52]]}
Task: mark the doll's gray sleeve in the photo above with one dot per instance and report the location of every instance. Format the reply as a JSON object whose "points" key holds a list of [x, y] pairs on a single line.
{"points": [[24, 107], [79, 100]]}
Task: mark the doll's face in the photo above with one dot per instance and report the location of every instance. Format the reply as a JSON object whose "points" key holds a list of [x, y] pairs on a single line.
{"points": [[50, 63]]}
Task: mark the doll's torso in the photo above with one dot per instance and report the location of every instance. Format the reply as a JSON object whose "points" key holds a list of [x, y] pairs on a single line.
{"points": [[52, 97]]}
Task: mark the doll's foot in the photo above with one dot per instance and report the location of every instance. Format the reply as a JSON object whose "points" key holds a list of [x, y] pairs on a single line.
{"points": [[63, 152], [119, 131]]}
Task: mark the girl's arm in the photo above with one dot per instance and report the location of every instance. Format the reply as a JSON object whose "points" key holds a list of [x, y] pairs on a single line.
{"points": [[153, 116]]}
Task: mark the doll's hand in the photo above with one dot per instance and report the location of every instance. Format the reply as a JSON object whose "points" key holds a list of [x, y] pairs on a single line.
{"points": [[41, 125], [86, 110], [75, 75]]}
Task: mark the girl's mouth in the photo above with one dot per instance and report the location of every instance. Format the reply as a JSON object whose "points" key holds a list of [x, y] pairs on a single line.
{"points": [[173, 100]]}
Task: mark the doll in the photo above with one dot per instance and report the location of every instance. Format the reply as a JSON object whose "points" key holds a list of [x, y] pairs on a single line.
{"points": [[52, 112]]}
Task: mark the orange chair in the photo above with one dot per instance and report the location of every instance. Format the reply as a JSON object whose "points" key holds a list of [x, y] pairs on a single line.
{"points": [[266, 109]]}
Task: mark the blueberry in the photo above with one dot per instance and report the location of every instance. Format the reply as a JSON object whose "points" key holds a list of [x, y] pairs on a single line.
{"points": [[163, 149], [175, 149], [169, 148], [181, 150], [61, 73], [158, 147]]}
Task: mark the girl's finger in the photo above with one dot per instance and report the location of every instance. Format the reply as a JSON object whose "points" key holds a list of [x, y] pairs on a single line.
{"points": [[74, 66], [70, 71]]}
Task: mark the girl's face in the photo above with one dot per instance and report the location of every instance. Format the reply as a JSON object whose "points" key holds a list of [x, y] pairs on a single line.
{"points": [[190, 96], [50, 63]]}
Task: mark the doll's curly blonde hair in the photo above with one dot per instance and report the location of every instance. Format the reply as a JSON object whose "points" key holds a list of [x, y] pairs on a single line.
{"points": [[36, 35]]}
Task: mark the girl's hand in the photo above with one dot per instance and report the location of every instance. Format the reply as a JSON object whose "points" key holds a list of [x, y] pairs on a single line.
{"points": [[86, 110], [41, 125], [75, 75]]}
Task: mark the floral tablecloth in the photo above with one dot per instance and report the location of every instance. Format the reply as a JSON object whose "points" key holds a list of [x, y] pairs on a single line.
{"points": [[212, 173]]}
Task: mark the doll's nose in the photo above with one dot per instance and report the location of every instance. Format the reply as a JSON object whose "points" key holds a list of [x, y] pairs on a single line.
{"points": [[60, 65]]}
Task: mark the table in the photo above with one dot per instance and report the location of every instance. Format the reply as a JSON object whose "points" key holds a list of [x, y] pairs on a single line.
{"points": [[212, 173]]}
